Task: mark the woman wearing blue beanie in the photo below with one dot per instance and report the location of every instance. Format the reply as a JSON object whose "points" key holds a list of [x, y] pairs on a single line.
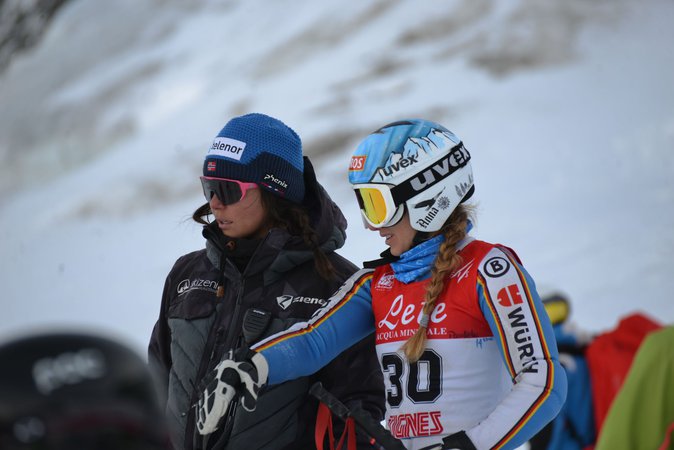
{"points": [[270, 261]]}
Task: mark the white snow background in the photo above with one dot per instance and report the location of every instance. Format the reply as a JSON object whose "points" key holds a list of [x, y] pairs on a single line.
{"points": [[567, 108]]}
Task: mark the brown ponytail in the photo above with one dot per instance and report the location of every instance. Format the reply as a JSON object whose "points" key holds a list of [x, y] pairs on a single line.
{"points": [[200, 215], [295, 219], [446, 262]]}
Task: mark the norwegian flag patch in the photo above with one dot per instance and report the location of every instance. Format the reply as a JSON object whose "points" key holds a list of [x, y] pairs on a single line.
{"points": [[211, 166]]}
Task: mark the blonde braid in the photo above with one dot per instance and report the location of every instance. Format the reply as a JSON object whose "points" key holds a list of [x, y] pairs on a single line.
{"points": [[445, 263]]}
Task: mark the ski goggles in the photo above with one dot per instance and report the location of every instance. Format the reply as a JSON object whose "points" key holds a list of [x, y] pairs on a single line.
{"points": [[377, 205], [228, 191]]}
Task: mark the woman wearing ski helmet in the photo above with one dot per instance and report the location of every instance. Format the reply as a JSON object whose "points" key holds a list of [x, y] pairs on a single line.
{"points": [[466, 348]]}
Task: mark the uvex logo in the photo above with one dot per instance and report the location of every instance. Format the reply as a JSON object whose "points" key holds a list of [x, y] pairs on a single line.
{"points": [[457, 158], [398, 165]]}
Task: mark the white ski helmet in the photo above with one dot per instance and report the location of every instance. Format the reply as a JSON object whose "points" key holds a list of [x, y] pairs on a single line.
{"points": [[412, 163]]}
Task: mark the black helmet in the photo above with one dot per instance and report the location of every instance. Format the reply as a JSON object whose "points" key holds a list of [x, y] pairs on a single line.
{"points": [[77, 391]]}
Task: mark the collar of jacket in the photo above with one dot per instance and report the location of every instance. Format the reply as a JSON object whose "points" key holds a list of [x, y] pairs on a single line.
{"points": [[236, 257], [415, 264]]}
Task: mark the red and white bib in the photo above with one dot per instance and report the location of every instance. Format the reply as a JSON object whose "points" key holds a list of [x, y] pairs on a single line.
{"points": [[460, 377]]}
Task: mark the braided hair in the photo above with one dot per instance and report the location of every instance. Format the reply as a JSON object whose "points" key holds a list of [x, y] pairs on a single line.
{"points": [[446, 262]]}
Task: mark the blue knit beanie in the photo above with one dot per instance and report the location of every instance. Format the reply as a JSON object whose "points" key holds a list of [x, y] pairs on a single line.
{"points": [[259, 149]]}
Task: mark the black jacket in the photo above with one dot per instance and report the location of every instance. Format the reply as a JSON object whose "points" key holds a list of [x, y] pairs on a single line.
{"points": [[277, 275]]}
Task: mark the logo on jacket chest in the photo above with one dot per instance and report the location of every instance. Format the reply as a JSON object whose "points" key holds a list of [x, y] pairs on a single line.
{"points": [[285, 301], [204, 285], [385, 282]]}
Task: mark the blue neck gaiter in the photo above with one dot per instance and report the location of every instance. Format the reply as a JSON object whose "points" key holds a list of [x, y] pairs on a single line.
{"points": [[415, 264]]}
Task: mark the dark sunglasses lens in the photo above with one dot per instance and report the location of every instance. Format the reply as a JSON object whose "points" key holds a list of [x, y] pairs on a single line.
{"points": [[227, 191]]}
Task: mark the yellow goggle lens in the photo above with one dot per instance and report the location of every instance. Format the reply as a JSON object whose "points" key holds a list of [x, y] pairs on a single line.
{"points": [[374, 205]]}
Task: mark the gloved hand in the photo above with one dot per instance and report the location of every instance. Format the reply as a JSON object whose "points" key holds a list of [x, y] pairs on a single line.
{"points": [[247, 374]]}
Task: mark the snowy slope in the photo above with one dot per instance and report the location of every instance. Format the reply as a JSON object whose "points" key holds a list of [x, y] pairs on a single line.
{"points": [[566, 107]]}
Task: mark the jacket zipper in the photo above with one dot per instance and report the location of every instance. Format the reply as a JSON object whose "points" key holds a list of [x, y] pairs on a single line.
{"points": [[233, 337], [196, 441]]}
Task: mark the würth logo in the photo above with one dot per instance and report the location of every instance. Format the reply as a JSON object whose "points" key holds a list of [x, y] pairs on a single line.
{"points": [[509, 295]]}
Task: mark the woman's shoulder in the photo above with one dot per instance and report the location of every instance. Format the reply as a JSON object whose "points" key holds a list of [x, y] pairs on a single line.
{"points": [[189, 260], [471, 248], [484, 250], [486, 258], [342, 266]]}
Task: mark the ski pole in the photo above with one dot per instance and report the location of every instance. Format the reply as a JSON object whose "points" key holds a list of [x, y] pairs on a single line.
{"points": [[380, 437]]}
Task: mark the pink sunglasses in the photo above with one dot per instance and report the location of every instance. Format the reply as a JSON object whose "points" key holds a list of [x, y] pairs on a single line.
{"points": [[228, 191]]}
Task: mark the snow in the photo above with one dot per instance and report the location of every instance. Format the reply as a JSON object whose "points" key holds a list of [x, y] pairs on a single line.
{"points": [[567, 109]]}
